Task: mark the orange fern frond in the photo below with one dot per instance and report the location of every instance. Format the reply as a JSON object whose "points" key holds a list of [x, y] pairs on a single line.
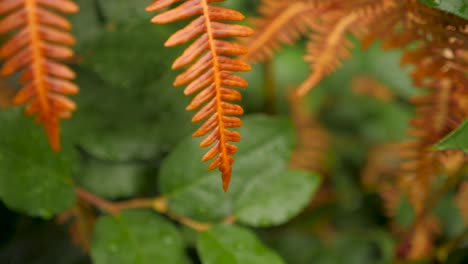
{"points": [[281, 22], [439, 72], [210, 75], [329, 44], [336, 45], [39, 40]]}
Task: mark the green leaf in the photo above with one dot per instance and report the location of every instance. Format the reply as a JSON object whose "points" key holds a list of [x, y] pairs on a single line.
{"points": [[228, 244], [116, 123], [457, 7], [263, 191], [458, 139], [86, 23], [275, 198], [128, 108], [111, 180], [132, 57], [136, 236], [33, 179]]}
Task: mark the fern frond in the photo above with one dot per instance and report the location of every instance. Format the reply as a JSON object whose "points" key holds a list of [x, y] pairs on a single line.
{"points": [[329, 44], [39, 40], [439, 72], [326, 49], [209, 73], [281, 22]]}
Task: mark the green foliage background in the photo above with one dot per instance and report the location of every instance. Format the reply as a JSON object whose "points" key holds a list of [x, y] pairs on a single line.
{"points": [[131, 138]]}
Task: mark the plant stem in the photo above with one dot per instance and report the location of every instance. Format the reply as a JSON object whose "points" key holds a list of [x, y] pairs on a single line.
{"points": [[159, 204]]}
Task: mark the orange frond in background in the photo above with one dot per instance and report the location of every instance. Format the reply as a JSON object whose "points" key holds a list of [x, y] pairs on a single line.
{"points": [[438, 70], [326, 49], [281, 22], [329, 44], [209, 73], [39, 39]]}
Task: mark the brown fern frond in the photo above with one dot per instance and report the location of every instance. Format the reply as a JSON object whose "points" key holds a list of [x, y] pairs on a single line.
{"points": [[326, 49], [329, 44], [39, 39], [438, 70], [441, 73], [282, 22], [209, 73]]}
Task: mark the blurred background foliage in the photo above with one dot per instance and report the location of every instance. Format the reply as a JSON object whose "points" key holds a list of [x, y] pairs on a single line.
{"points": [[129, 127]]}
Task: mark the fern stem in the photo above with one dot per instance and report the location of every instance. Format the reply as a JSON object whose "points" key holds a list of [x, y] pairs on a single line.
{"points": [[31, 9]]}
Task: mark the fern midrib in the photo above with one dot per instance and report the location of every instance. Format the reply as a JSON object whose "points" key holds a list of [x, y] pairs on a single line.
{"points": [[217, 80], [37, 56]]}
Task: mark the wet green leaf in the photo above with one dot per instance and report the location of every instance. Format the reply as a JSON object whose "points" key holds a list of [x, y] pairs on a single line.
{"points": [[233, 245], [263, 191], [33, 179], [136, 236]]}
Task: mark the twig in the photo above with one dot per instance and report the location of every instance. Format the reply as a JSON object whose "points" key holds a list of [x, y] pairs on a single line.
{"points": [[158, 204]]}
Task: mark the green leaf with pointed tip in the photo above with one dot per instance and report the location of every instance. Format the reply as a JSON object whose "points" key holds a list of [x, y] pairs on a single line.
{"points": [[229, 244], [458, 139], [457, 7], [136, 236], [276, 198], [33, 179], [263, 191]]}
